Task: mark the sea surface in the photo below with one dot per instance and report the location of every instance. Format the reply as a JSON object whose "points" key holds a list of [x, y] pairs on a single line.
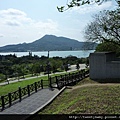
{"points": [[79, 54]]}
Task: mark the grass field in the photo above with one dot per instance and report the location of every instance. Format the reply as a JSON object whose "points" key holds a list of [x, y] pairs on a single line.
{"points": [[14, 86], [5, 89], [87, 97]]}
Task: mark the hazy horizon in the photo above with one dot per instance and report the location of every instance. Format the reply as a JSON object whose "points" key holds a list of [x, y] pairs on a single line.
{"points": [[26, 21]]}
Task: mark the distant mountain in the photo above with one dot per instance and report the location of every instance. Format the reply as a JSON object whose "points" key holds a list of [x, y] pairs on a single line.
{"points": [[46, 43]]}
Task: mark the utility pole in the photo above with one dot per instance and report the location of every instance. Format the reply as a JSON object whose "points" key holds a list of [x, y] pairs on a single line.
{"points": [[48, 66]]}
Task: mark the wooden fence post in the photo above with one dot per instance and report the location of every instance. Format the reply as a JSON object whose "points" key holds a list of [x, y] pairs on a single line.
{"points": [[57, 81], [28, 87], [84, 74], [3, 102], [68, 78], [61, 76], [50, 82], [72, 78], [35, 86], [20, 96], [65, 80], [79, 75], [10, 100], [42, 84]]}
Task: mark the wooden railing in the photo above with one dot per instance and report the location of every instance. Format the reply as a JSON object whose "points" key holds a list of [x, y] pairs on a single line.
{"points": [[18, 95], [54, 82], [68, 79]]}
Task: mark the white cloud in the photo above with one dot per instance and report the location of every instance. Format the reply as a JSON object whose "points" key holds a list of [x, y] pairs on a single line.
{"points": [[14, 17], [14, 22], [1, 35], [48, 25], [12, 12], [92, 8]]}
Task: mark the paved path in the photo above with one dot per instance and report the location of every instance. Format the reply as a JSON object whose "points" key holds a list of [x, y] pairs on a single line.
{"points": [[73, 68], [33, 103]]}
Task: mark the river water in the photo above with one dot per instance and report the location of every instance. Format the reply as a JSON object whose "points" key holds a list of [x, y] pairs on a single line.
{"points": [[79, 54]]}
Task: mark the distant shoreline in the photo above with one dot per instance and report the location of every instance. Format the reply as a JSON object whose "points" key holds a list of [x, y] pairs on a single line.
{"points": [[77, 53], [44, 51]]}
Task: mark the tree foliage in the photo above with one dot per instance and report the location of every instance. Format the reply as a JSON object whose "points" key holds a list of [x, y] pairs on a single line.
{"points": [[77, 3], [108, 46], [17, 67], [77, 66], [105, 27]]}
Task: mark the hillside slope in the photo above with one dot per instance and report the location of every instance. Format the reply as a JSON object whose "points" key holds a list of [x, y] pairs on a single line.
{"points": [[46, 43], [87, 97]]}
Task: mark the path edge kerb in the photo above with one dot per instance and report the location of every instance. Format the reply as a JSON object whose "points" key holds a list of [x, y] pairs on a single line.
{"points": [[48, 102]]}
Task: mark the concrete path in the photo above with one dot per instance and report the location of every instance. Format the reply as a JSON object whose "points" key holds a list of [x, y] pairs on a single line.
{"points": [[32, 104], [72, 67]]}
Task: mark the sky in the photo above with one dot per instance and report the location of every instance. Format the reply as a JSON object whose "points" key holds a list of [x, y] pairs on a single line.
{"points": [[29, 20]]}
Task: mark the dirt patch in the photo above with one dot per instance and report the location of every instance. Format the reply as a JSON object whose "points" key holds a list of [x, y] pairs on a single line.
{"points": [[71, 88]]}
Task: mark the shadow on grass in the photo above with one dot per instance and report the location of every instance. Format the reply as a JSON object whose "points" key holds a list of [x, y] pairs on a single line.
{"points": [[108, 80]]}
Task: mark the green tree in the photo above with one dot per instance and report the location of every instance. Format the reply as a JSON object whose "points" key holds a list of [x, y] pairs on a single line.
{"points": [[41, 68], [31, 68], [77, 3], [54, 68], [37, 69], [18, 71], [105, 27], [77, 66], [23, 70], [2, 77], [108, 46]]}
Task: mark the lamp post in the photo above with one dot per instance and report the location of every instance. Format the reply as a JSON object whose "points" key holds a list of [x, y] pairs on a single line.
{"points": [[48, 65], [48, 70]]}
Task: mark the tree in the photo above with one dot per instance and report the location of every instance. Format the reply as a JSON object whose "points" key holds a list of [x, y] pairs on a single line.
{"points": [[108, 46], [105, 27], [17, 71], [74, 3], [66, 67], [77, 66], [2, 77], [54, 68], [37, 69]]}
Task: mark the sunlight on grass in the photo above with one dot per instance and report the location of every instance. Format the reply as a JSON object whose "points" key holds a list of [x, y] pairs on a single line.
{"points": [[96, 99], [5, 89]]}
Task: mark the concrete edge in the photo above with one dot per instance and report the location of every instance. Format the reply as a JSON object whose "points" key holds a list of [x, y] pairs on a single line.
{"points": [[48, 101]]}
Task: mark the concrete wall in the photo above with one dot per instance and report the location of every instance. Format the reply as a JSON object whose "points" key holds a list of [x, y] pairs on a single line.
{"points": [[104, 65], [113, 69]]}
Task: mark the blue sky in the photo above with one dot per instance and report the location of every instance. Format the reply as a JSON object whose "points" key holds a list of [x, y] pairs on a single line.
{"points": [[28, 20]]}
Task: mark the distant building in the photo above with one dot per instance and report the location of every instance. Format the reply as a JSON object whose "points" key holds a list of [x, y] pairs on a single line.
{"points": [[104, 65]]}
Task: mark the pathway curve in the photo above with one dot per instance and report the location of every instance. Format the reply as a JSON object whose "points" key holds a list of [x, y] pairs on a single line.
{"points": [[33, 103], [73, 68]]}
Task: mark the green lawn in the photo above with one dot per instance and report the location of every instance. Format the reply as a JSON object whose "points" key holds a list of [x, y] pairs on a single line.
{"points": [[14, 86], [96, 99]]}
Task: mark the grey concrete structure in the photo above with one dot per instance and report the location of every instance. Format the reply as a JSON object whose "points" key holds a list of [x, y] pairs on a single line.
{"points": [[104, 65]]}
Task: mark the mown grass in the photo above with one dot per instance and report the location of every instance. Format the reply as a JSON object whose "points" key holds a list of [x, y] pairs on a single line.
{"points": [[86, 81], [5, 89], [96, 99]]}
